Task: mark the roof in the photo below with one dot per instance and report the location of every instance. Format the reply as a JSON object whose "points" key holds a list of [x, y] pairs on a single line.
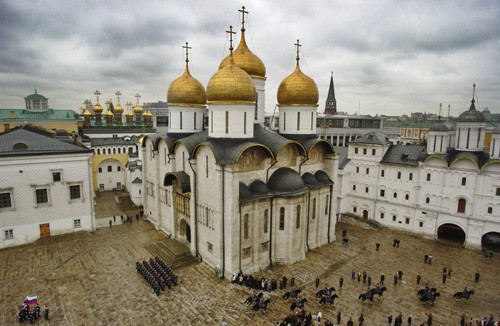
{"points": [[133, 165], [27, 115], [405, 154], [114, 141], [35, 96], [342, 152], [373, 137], [182, 177], [137, 180], [27, 140], [471, 115], [287, 182]]}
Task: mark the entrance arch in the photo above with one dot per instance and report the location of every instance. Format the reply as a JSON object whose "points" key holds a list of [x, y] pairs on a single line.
{"points": [[451, 232], [365, 214], [491, 241], [185, 230]]}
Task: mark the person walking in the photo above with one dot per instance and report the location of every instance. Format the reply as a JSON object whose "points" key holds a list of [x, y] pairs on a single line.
{"points": [[395, 279], [418, 279], [377, 246], [369, 281], [341, 282], [317, 281], [409, 320], [292, 281], [429, 319], [444, 277], [462, 320], [350, 322], [476, 277], [382, 278], [400, 275], [361, 319], [46, 313], [339, 317], [110, 222], [389, 320]]}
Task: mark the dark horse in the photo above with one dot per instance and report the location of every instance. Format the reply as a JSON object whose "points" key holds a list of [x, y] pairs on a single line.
{"points": [[298, 304], [328, 299], [254, 298], [261, 305], [325, 292], [366, 296], [378, 291], [428, 295], [292, 293], [463, 295]]}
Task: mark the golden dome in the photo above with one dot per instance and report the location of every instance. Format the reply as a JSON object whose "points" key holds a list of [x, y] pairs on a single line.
{"points": [[298, 89], [87, 113], [118, 108], [109, 113], [97, 108], [129, 113], [137, 108], [231, 84], [149, 114], [186, 91], [246, 60]]}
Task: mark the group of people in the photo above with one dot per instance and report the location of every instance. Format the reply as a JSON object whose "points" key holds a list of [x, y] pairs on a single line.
{"points": [[157, 273], [253, 282], [31, 315]]}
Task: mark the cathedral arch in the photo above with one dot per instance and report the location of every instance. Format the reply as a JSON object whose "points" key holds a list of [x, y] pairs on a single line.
{"points": [[451, 232], [491, 241], [253, 157], [185, 230], [288, 154]]}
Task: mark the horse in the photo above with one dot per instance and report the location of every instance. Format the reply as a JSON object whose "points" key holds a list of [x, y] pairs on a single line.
{"points": [[292, 293], [261, 305], [423, 291], [328, 299], [429, 297], [364, 297], [325, 292], [463, 295], [298, 304], [254, 298], [378, 291]]}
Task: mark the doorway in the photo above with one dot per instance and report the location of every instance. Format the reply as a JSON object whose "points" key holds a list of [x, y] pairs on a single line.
{"points": [[44, 230]]}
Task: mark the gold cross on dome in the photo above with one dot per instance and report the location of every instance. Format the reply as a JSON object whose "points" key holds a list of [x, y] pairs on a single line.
{"points": [[97, 93], [187, 47], [243, 12], [129, 105], [137, 96], [230, 32], [118, 94], [298, 45]]}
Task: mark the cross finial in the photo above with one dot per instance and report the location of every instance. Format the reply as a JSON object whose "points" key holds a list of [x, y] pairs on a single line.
{"points": [[243, 12], [440, 106], [118, 94], [128, 105], [449, 106], [137, 96], [473, 90], [332, 73], [230, 32], [97, 93], [298, 45], [108, 102], [187, 47]]}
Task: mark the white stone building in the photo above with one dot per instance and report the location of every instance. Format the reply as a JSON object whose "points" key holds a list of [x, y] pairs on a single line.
{"points": [[242, 196], [45, 186], [449, 189]]}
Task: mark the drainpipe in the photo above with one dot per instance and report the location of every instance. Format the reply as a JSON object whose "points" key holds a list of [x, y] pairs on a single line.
{"points": [[195, 198], [271, 233], [223, 222], [303, 161], [269, 168], [239, 237], [330, 212], [307, 225], [91, 197]]}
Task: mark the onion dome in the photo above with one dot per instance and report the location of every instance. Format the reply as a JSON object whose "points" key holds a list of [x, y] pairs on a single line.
{"points": [[118, 108], [97, 108], [186, 91], [137, 108], [439, 126], [286, 181], [87, 113], [147, 114], [129, 113], [298, 88], [472, 115], [231, 85], [109, 113], [246, 60]]}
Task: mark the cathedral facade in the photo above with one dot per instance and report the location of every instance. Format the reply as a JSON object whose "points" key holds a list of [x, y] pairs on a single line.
{"points": [[242, 196]]}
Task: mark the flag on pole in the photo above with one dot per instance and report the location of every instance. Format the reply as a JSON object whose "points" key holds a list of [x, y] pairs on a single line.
{"points": [[31, 300]]}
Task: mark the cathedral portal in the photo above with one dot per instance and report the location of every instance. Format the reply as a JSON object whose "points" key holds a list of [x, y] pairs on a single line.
{"points": [[451, 232]]}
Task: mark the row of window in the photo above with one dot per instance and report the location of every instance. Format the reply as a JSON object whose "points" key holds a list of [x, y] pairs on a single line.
{"points": [[41, 196], [365, 151], [119, 150], [9, 233], [110, 169]]}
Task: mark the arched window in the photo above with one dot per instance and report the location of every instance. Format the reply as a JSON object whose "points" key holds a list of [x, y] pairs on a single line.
{"points": [[327, 202], [114, 150], [100, 170], [119, 150], [297, 217], [410, 176], [461, 205], [428, 177], [266, 221], [110, 168], [98, 151], [314, 208], [245, 226], [399, 175], [464, 181], [490, 210], [427, 200], [282, 218]]}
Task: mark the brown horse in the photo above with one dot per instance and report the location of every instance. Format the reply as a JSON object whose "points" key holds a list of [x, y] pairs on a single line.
{"points": [[463, 295]]}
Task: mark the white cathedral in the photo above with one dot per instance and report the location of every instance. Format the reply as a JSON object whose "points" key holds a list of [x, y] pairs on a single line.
{"points": [[244, 197]]}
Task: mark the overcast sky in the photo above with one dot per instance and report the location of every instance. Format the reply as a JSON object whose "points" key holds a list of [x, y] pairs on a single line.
{"points": [[387, 57]]}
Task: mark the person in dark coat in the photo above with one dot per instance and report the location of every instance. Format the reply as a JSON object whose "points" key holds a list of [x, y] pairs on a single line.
{"points": [[350, 322], [46, 313], [476, 277], [317, 281], [389, 320], [339, 317], [361, 319]]}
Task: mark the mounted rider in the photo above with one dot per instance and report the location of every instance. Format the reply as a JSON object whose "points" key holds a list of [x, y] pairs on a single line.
{"points": [[293, 292], [465, 293], [368, 294]]}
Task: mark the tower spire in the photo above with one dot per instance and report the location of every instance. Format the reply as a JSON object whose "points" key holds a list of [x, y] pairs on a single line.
{"points": [[187, 47], [298, 45], [331, 102], [440, 106]]}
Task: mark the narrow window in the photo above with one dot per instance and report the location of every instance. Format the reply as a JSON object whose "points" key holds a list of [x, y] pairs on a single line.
{"points": [[410, 176], [399, 175], [194, 121], [114, 150], [395, 195], [245, 123], [490, 210], [421, 224], [428, 177], [355, 150], [284, 120], [366, 189], [245, 226], [118, 168], [354, 187], [357, 169], [314, 208], [206, 166], [119, 150], [100, 170], [382, 173], [364, 151], [298, 120], [367, 171], [327, 203], [394, 218], [110, 168], [312, 120], [180, 120], [212, 121], [373, 152], [407, 197], [98, 151], [56, 176], [382, 193], [427, 200], [354, 209], [381, 216], [266, 220], [498, 192], [227, 122], [282, 218], [297, 218], [461, 205], [464, 181], [407, 220]]}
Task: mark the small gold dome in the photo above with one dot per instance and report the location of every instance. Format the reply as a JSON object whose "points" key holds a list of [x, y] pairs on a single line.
{"points": [[97, 108], [137, 108], [129, 113], [148, 114], [298, 89], [231, 85], [118, 108], [186, 91], [87, 113], [109, 113], [246, 60]]}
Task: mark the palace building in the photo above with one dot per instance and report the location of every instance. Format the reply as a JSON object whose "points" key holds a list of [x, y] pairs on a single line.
{"points": [[242, 196]]}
